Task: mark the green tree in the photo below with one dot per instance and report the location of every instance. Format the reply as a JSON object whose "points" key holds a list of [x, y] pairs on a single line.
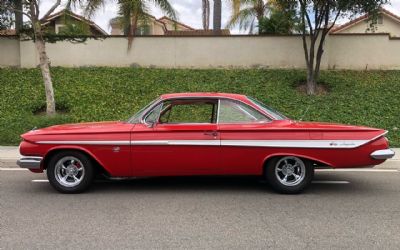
{"points": [[282, 19], [245, 13], [131, 12], [7, 16], [317, 18], [31, 9]]}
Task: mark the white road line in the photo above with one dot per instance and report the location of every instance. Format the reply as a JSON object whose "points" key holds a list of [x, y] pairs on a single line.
{"points": [[359, 170], [330, 182], [13, 169], [40, 180]]}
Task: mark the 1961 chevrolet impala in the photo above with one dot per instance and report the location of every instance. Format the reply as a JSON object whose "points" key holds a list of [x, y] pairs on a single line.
{"points": [[200, 134]]}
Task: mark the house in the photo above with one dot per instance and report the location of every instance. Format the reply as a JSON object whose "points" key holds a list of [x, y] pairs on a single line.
{"points": [[66, 19], [387, 22], [153, 26]]}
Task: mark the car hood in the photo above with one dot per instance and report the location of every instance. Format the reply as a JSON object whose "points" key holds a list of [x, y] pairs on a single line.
{"points": [[80, 128]]}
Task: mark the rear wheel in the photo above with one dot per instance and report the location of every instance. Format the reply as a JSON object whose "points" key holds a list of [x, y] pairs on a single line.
{"points": [[70, 172], [289, 174]]}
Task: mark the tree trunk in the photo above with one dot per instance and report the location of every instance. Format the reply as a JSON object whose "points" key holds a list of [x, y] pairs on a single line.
{"points": [[311, 76], [18, 16], [206, 14], [311, 82], [45, 68], [217, 17], [132, 30]]}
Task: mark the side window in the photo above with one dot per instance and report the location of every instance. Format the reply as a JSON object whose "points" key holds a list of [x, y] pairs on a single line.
{"points": [[235, 112], [188, 111]]}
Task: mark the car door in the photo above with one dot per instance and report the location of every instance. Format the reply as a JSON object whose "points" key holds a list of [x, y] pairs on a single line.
{"points": [[239, 126], [178, 137]]}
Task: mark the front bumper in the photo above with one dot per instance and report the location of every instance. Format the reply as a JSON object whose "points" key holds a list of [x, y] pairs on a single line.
{"points": [[383, 154], [30, 162]]}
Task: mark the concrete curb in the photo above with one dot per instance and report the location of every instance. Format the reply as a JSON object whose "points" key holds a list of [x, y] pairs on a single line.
{"points": [[10, 154]]}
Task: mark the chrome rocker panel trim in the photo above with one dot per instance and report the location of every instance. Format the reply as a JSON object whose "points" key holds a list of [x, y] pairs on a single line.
{"points": [[382, 154], [30, 162]]}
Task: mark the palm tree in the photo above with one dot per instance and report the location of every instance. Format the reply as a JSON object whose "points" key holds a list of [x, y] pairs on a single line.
{"points": [[246, 12], [217, 15], [132, 12], [206, 14]]}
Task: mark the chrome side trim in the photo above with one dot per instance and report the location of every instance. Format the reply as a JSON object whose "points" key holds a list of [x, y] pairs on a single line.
{"points": [[134, 143], [295, 143], [30, 162], [179, 142], [241, 143], [382, 154], [115, 143]]}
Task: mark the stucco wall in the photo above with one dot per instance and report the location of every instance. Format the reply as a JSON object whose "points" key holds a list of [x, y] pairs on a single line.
{"points": [[366, 52], [358, 52], [179, 52], [9, 52]]}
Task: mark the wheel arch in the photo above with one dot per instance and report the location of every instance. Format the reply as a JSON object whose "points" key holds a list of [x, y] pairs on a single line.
{"points": [[304, 157], [96, 162]]}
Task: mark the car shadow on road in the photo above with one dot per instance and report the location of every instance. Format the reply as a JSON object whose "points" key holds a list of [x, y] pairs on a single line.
{"points": [[238, 184]]}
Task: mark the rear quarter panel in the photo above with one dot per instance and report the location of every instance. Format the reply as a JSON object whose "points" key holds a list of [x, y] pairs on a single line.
{"points": [[250, 160]]}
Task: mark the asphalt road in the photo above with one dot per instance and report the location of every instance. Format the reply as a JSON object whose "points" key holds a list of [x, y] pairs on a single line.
{"points": [[362, 211]]}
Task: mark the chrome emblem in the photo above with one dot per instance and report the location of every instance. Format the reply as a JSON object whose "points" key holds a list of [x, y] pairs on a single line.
{"points": [[116, 149]]}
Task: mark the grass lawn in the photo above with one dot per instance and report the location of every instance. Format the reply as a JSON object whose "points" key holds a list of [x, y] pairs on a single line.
{"points": [[370, 98]]}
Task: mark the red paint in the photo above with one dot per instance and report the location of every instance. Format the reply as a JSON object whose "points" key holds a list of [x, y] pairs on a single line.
{"points": [[157, 160]]}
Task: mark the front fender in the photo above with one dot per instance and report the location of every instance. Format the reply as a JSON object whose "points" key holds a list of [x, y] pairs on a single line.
{"points": [[72, 147]]}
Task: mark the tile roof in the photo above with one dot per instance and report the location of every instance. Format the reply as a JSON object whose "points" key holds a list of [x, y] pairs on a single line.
{"points": [[76, 16], [171, 20], [362, 18], [224, 32]]}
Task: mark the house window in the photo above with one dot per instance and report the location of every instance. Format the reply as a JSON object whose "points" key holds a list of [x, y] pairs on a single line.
{"points": [[60, 27], [380, 19], [143, 30]]}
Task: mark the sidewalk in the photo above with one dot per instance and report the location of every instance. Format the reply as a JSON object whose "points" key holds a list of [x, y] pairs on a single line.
{"points": [[10, 154]]}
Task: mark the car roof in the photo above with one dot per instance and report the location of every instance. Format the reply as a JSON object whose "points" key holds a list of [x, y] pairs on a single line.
{"points": [[204, 94]]}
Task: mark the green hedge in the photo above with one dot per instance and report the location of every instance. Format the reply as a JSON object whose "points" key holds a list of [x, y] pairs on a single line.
{"points": [[370, 98]]}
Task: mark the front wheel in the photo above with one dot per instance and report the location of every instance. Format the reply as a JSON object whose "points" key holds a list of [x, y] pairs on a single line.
{"points": [[289, 174], [70, 172]]}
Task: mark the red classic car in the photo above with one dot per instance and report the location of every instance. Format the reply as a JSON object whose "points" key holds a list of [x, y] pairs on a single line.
{"points": [[200, 134]]}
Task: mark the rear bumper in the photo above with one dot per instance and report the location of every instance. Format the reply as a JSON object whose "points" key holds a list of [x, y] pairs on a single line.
{"points": [[30, 162], [382, 154]]}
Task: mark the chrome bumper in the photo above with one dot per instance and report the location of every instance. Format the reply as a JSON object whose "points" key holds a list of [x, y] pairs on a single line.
{"points": [[31, 162], [382, 154]]}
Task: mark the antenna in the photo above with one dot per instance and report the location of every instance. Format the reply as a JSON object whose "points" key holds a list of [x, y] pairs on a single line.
{"points": [[305, 112]]}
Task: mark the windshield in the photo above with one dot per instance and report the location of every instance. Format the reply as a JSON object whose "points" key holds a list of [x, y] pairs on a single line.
{"points": [[136, 117], [274, 113]]}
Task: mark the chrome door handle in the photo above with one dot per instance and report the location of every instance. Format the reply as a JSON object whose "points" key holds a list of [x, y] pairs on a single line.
{"points": [[211, 133]]}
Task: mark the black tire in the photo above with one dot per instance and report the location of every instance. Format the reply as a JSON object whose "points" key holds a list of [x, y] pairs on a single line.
{"points": [[274, 176], [84, 162]]}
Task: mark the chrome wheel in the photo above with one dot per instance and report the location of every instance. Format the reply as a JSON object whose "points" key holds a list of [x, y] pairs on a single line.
{"points": [[290, 170], [69, 171]]}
